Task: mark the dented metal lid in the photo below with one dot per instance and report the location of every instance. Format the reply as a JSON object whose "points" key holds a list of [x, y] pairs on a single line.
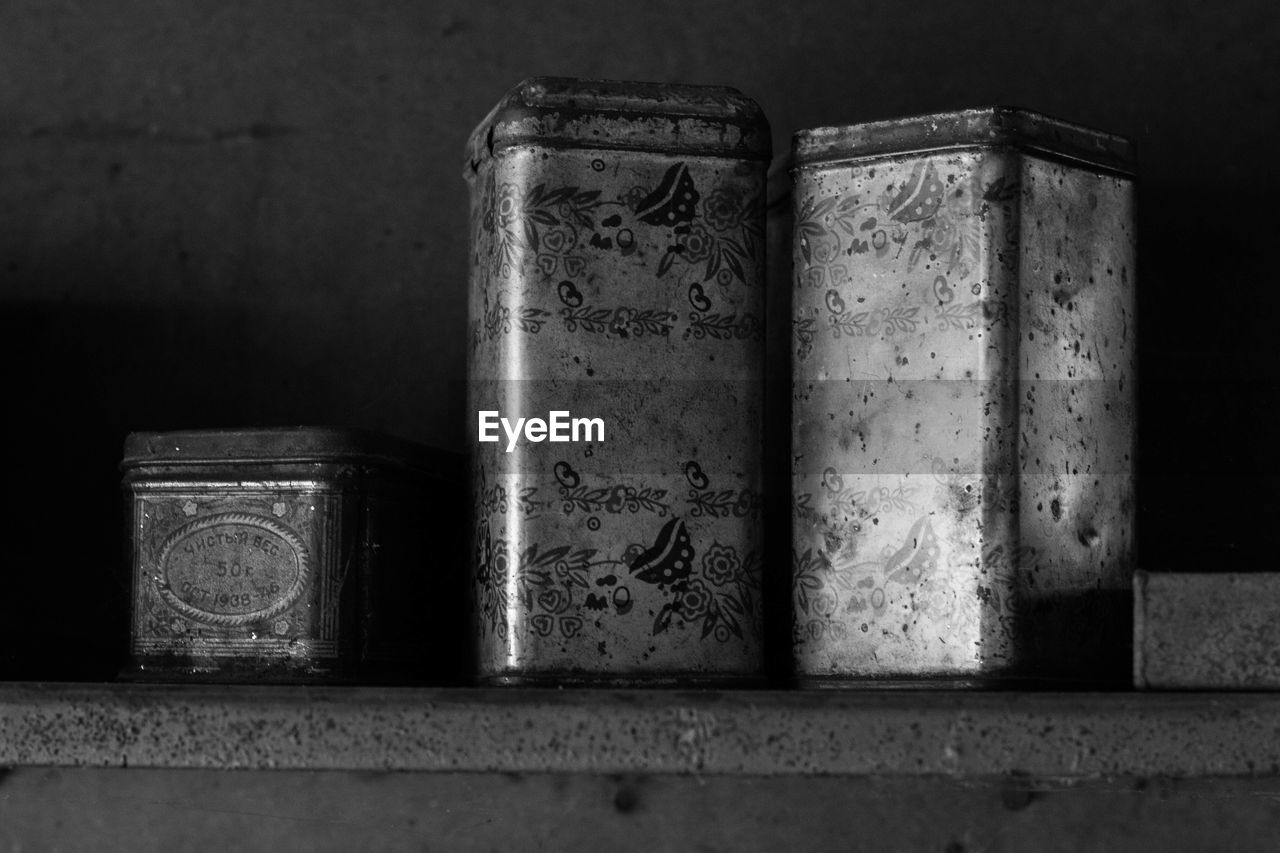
{"points": [[286, 445], [985, 127], [608, 114]]}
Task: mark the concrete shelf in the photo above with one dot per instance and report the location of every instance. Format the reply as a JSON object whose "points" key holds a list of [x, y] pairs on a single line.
{"points": [[1049, 736]]}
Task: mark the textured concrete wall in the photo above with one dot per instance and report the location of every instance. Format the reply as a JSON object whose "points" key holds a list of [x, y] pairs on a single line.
{"points": [[51, 809], [242, 213]]}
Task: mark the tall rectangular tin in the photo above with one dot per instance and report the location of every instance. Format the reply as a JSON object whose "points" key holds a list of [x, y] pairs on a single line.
{"points": [[291, 554], [618, 273], [964, 401]]}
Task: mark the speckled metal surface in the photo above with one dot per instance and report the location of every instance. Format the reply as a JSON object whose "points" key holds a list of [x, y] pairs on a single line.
{"points": [[956, 734], [617, 273], [286, 554], [1207, 631], [963, 378]]}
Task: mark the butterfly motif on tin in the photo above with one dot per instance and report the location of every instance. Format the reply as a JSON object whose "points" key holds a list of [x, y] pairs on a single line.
{"points": [[918, 556], [920, 196], [669, 559], [885, 586], [674, 200]]}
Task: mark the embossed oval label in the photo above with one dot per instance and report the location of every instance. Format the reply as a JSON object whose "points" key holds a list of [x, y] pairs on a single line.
{"points": [[232, 569]]}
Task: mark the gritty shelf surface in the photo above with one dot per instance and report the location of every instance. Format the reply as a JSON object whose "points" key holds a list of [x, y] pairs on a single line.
{"points": [[1060, 736]]}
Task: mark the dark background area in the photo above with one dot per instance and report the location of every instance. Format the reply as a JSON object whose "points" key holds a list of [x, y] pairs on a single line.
{"points": [[238, 213]]}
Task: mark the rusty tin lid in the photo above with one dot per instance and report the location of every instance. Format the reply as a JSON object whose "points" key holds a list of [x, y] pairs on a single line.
{"points": [[272, 445], [984, 127], [715, 121]]}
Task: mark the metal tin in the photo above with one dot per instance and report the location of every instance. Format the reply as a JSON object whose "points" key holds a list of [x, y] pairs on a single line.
{"points": [[290, 554], [964, 401], [617, 273]]}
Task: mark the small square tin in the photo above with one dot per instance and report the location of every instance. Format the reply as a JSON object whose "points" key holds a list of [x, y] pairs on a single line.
{"points": [[618, 273], [964, 401], [295, 554]]}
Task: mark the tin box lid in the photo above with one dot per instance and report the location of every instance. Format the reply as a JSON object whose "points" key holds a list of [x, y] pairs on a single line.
{"points": [[985, 127], [658, 117], [287, 444]]}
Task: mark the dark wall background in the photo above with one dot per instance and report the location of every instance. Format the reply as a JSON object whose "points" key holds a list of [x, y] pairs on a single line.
{"points": [[240, 213]]}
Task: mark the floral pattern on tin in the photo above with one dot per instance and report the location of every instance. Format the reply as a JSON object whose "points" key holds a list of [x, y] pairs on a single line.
{"points": [[614, 499], [1008, 610], [859, 504], [723, 240], [495, 499], [622, 321], [705, 500], [560, 230], [545, 222], [723, 327], [884, 597], [500, 320], [561, 587], [923, 215], [901, 319], [718, 598], [938, 222]]}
